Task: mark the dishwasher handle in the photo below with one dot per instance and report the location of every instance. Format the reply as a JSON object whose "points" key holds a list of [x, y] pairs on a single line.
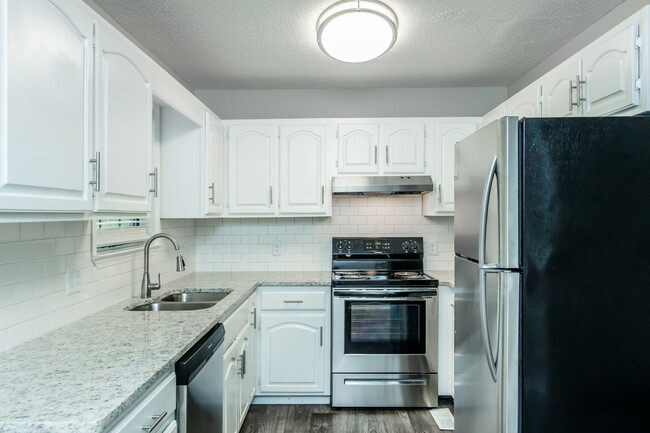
{"points": [[191, 363]]}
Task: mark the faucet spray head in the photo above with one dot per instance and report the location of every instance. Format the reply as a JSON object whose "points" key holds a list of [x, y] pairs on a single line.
{"points": [[180, 263]]}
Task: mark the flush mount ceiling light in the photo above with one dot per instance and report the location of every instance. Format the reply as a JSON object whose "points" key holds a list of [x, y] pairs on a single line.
{"points": [[356, 31]]}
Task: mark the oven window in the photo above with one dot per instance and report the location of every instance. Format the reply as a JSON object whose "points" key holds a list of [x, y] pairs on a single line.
{"points": [[386, 327]]}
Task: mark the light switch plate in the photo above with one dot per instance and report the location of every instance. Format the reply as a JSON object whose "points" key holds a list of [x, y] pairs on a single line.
{"points": [[72, 281], [434, 248]]}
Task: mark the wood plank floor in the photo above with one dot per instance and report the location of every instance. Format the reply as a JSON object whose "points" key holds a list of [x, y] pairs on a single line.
{"points": [[324, 419]]}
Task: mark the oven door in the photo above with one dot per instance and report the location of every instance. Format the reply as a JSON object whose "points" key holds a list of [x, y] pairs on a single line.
{"points": [[383, 332]]}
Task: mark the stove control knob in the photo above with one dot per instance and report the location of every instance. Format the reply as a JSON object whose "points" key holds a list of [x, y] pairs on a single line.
{"points": [[405, 246], [340, 245], [415, 245]]}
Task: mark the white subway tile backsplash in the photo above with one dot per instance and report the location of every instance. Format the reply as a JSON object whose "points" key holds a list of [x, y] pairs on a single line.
{"points": [[33, 261], [31, 231], [9, 232]]}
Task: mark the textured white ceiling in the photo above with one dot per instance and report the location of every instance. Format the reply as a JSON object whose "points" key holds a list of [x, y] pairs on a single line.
{"points": [[267, 44]]}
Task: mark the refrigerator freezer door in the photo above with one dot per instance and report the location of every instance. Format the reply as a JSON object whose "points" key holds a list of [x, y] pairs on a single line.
{"points": [[476, 394], [474, 157]]}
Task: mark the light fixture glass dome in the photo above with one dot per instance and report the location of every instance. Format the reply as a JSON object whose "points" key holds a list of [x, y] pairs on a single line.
{"points": [[357, 31]]}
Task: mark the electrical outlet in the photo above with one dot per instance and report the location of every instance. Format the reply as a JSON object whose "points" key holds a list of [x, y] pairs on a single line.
{"points": [[434, 248], [72, 281], [277, 248]]}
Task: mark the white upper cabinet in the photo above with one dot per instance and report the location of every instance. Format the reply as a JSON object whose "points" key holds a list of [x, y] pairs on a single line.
{"points": [[124, 111], [213, 190], [560, 90], [385, 147], [252, 156], [403, 148], [358, 147], [525, 103], [303, 169], [46, 72], [611, 73], [448, 133]]}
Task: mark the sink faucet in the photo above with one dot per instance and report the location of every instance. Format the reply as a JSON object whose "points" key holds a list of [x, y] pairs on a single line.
{"points": [[147, 285]]}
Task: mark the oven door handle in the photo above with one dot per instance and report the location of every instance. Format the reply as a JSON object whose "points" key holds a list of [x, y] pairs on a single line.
{"points": [[377, 295]]}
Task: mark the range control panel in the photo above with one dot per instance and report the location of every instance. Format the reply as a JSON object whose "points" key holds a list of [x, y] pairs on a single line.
{"points": [[396, 245]]}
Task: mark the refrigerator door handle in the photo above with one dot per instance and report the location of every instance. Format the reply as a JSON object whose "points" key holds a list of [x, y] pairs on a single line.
{"points": [[491, 361], [485, 203]]}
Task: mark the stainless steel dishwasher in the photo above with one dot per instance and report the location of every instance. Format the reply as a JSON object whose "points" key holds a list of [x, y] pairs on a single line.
{"points": [[199, 385]]}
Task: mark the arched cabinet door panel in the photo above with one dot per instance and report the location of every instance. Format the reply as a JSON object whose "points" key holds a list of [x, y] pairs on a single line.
{"points": [[46, 91], [124, 110], [610, 74], [358, 148], [292, 353]]}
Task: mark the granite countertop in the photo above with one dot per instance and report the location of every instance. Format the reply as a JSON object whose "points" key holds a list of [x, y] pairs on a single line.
{"points": [[82, 377], [445, 278]]}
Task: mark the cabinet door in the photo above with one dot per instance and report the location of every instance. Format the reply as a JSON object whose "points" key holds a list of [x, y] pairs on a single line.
{"points": [[403, 148], [46, 72], [231, 381], [525, 103], [358, 147], [252, 153], [559, 93], [214, 165], [302, 169], [293, 355], [125, 114], [445, 341], [247, 381], [610, 73], [448, 133]]}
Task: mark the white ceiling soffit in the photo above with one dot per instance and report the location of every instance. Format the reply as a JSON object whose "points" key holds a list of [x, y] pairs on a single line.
{"points": [[271, 44]]}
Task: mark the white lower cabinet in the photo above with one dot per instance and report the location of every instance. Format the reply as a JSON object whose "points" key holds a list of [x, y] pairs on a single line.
{"points": [[157, 407], [445, 341], [239, 365], [294, 341]]}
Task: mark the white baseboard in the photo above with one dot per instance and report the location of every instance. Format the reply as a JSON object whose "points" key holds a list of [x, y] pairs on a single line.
{"points": [[291, 399]]}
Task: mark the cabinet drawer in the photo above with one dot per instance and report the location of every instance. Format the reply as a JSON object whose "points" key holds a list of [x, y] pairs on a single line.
{"points": [[287, 299], [237, 321], [159, 403]]}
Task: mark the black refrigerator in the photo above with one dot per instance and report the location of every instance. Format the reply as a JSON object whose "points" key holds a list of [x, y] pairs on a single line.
{"points": [[552, 283]]}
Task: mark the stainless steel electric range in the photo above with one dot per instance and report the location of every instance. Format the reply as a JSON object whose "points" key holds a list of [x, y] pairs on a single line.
{"points": [[384, 324]]}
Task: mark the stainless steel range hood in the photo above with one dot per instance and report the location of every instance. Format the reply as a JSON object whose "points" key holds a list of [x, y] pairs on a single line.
{"points": [[380, 185]]}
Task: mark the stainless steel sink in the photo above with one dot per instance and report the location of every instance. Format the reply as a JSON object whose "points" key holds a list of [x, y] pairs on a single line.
{"points": [[195, 297], [173, 306]]}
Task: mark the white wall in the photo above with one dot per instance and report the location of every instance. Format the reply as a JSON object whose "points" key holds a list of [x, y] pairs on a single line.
{"points": [[33, 260], [245, 244], [593, 32], [314, 103]]}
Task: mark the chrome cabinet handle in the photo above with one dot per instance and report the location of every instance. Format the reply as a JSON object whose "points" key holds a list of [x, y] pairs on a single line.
{"points": [[242, 370], [158, 419], [439, 193], [386, 154], [211, 187], [578, 93], [321, 336], [375, 154], [293, 302], [97, 162], [270, 195], [240, 366], [322, 194], [254, 313], [154, 190]]}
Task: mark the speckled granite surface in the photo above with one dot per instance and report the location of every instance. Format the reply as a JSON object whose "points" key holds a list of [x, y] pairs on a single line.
{"points": [[82, 377]]}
